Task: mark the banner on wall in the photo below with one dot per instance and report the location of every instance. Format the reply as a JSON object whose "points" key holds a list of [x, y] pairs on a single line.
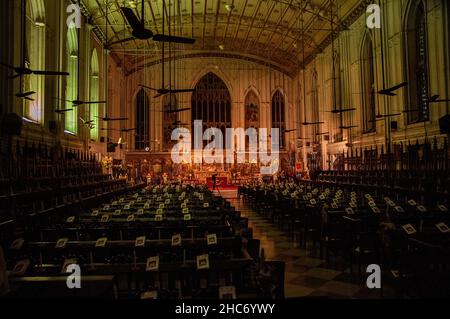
{"points": [[298, 166]]}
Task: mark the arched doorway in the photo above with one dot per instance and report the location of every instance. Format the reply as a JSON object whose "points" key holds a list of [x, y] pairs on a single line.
{"points": [[211, 103]]}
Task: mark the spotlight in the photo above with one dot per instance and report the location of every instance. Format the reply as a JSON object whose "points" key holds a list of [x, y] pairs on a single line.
{"points": [[222, 47]]}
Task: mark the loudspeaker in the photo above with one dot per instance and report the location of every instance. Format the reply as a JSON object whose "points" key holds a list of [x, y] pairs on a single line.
{"points": [[111, 148], [394, 125], [444, 124], [102, 139], [52, 126], [12, 124]]}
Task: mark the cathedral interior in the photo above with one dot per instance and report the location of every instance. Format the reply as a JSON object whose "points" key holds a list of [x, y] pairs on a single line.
{"points": [[121, 157]]}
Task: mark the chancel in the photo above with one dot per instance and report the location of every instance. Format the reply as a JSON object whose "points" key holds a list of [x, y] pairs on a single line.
{"points": [[224, 149]]}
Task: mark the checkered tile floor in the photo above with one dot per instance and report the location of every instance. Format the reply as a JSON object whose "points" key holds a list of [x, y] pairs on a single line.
{"points": [[306, 274]]}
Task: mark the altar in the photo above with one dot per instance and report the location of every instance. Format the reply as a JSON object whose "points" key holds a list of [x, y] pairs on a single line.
{"points": [[205, 175]]}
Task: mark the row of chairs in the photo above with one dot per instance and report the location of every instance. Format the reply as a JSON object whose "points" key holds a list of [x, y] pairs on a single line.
{"points": [[145, 243], [430, 185], [36, 179], [360, 228]]}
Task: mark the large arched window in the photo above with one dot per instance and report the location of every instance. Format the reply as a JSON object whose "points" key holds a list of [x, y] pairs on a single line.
{"points": [[142, 121], [278, 115], [71, 118], [211, 103], [368, 85], [315, 107], [35, 59], [417, 62], [93, 94], [251, 110], [170, 120], [336, 89]]}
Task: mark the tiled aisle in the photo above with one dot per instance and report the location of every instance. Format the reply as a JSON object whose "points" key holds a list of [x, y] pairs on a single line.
{"points": [[306, 274]]}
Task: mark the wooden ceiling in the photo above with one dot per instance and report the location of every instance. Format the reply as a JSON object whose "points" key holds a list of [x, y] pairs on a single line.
{"points": [[276, 32]]}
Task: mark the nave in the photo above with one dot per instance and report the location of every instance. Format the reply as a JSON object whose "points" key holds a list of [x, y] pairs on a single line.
{"points": [[224, 149]]}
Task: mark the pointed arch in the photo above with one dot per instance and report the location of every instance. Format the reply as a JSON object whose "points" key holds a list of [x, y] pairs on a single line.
{"points": [[71, 118], [336, 80], [37, 11], [368, 84], [170, 102], [336, 96], [253, 89], [252, 106], [315, 105], [214, 70], [142, 102], [211, 102], [94, 94], [278, 115], [416, 57], [35, 59]]}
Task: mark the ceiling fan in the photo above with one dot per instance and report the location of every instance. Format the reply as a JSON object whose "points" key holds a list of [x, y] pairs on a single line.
{"points": [[140, 32], [312, 123], [164, 90], [79, 102], [62, 111], [125, 130], [23, 70], [25, 95], [177, 110], [435, 99], [107, 119], [382, 116], [289, 131], [338, 111], [391, 91]]}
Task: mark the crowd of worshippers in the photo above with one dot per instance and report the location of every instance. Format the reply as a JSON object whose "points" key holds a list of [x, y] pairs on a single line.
{"points": [[408, 238], [164, 241]]}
